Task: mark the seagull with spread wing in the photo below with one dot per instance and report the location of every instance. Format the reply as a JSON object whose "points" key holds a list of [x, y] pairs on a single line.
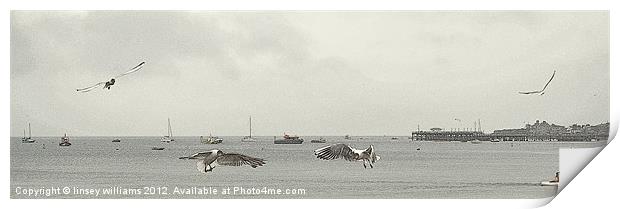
{"points": [[208, 160], [108, 84], [337, 151], [542, 91]]}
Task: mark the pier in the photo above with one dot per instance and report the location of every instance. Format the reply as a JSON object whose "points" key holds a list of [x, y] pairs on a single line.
{"points": [[449, 135], [535, 132], [472, 135]]}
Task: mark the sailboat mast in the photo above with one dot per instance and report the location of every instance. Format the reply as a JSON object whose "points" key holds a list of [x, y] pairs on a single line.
{"points": [[250, 126], [169, 129], [29, 131]]}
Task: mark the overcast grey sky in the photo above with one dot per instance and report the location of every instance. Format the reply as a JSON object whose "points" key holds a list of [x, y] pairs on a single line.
{"points": [[305, 73]]}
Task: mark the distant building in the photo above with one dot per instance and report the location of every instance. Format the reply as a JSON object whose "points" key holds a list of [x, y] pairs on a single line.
{"points": [[600, 129], [545, 131], [545, 128]]}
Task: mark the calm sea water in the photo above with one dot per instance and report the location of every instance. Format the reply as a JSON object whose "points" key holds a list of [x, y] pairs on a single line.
{"points": [[437, 170]]}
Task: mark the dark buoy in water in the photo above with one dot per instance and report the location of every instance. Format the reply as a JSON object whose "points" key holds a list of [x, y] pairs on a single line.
{"points": [[117, 149], [418, 148]]}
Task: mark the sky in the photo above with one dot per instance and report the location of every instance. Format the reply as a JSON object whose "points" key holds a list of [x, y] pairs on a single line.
{"points": [[305, 73]]}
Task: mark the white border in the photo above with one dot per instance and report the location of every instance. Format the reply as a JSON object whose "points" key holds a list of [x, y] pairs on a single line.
{"points": [[569, 199]]}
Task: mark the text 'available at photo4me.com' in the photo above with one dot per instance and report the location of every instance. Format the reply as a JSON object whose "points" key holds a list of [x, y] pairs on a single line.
{"points": [[116, 191]]}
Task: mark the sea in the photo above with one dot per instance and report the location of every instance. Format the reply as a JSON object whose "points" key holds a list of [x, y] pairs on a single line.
{"points": [[97, 168]]}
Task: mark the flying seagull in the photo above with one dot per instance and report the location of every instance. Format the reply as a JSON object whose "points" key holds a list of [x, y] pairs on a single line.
{"points": [[208, 160], [108, 84], [542, 91], [336, 151]]}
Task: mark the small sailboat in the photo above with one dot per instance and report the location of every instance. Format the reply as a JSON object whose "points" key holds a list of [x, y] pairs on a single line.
{"points": [[168, 138], [249, 138], [29, 138], [116, 140], [64, 141], [475, 141]]}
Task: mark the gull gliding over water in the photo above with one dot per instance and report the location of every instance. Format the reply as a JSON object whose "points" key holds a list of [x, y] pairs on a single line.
{"points": [[208, 160], [542, 91], [111, 82], [336, 151]]}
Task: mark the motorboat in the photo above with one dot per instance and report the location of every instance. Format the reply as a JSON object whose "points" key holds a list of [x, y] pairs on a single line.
{"points": [[64, 141], [549, 183], [286, 139], [211, 140], [320, 140]]}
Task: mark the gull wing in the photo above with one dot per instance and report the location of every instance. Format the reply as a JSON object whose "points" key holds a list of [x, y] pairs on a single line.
{"points": [[539, 91], [548, 81], [529, 92], [132, 70], [87, 89], [372, 154], [233, 159], [336, 151]]}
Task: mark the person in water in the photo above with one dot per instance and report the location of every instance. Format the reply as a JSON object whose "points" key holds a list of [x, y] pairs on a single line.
{"points": [[557, 177]]}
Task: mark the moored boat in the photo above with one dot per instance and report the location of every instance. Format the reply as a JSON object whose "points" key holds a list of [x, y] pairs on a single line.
{"points": [[169, 137], [320, 140], [116, 140], [549, 183], [554, 182], [211, 140], [249, 137], [64, 141], [29, 138], [157, 148], [286, 139]]}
